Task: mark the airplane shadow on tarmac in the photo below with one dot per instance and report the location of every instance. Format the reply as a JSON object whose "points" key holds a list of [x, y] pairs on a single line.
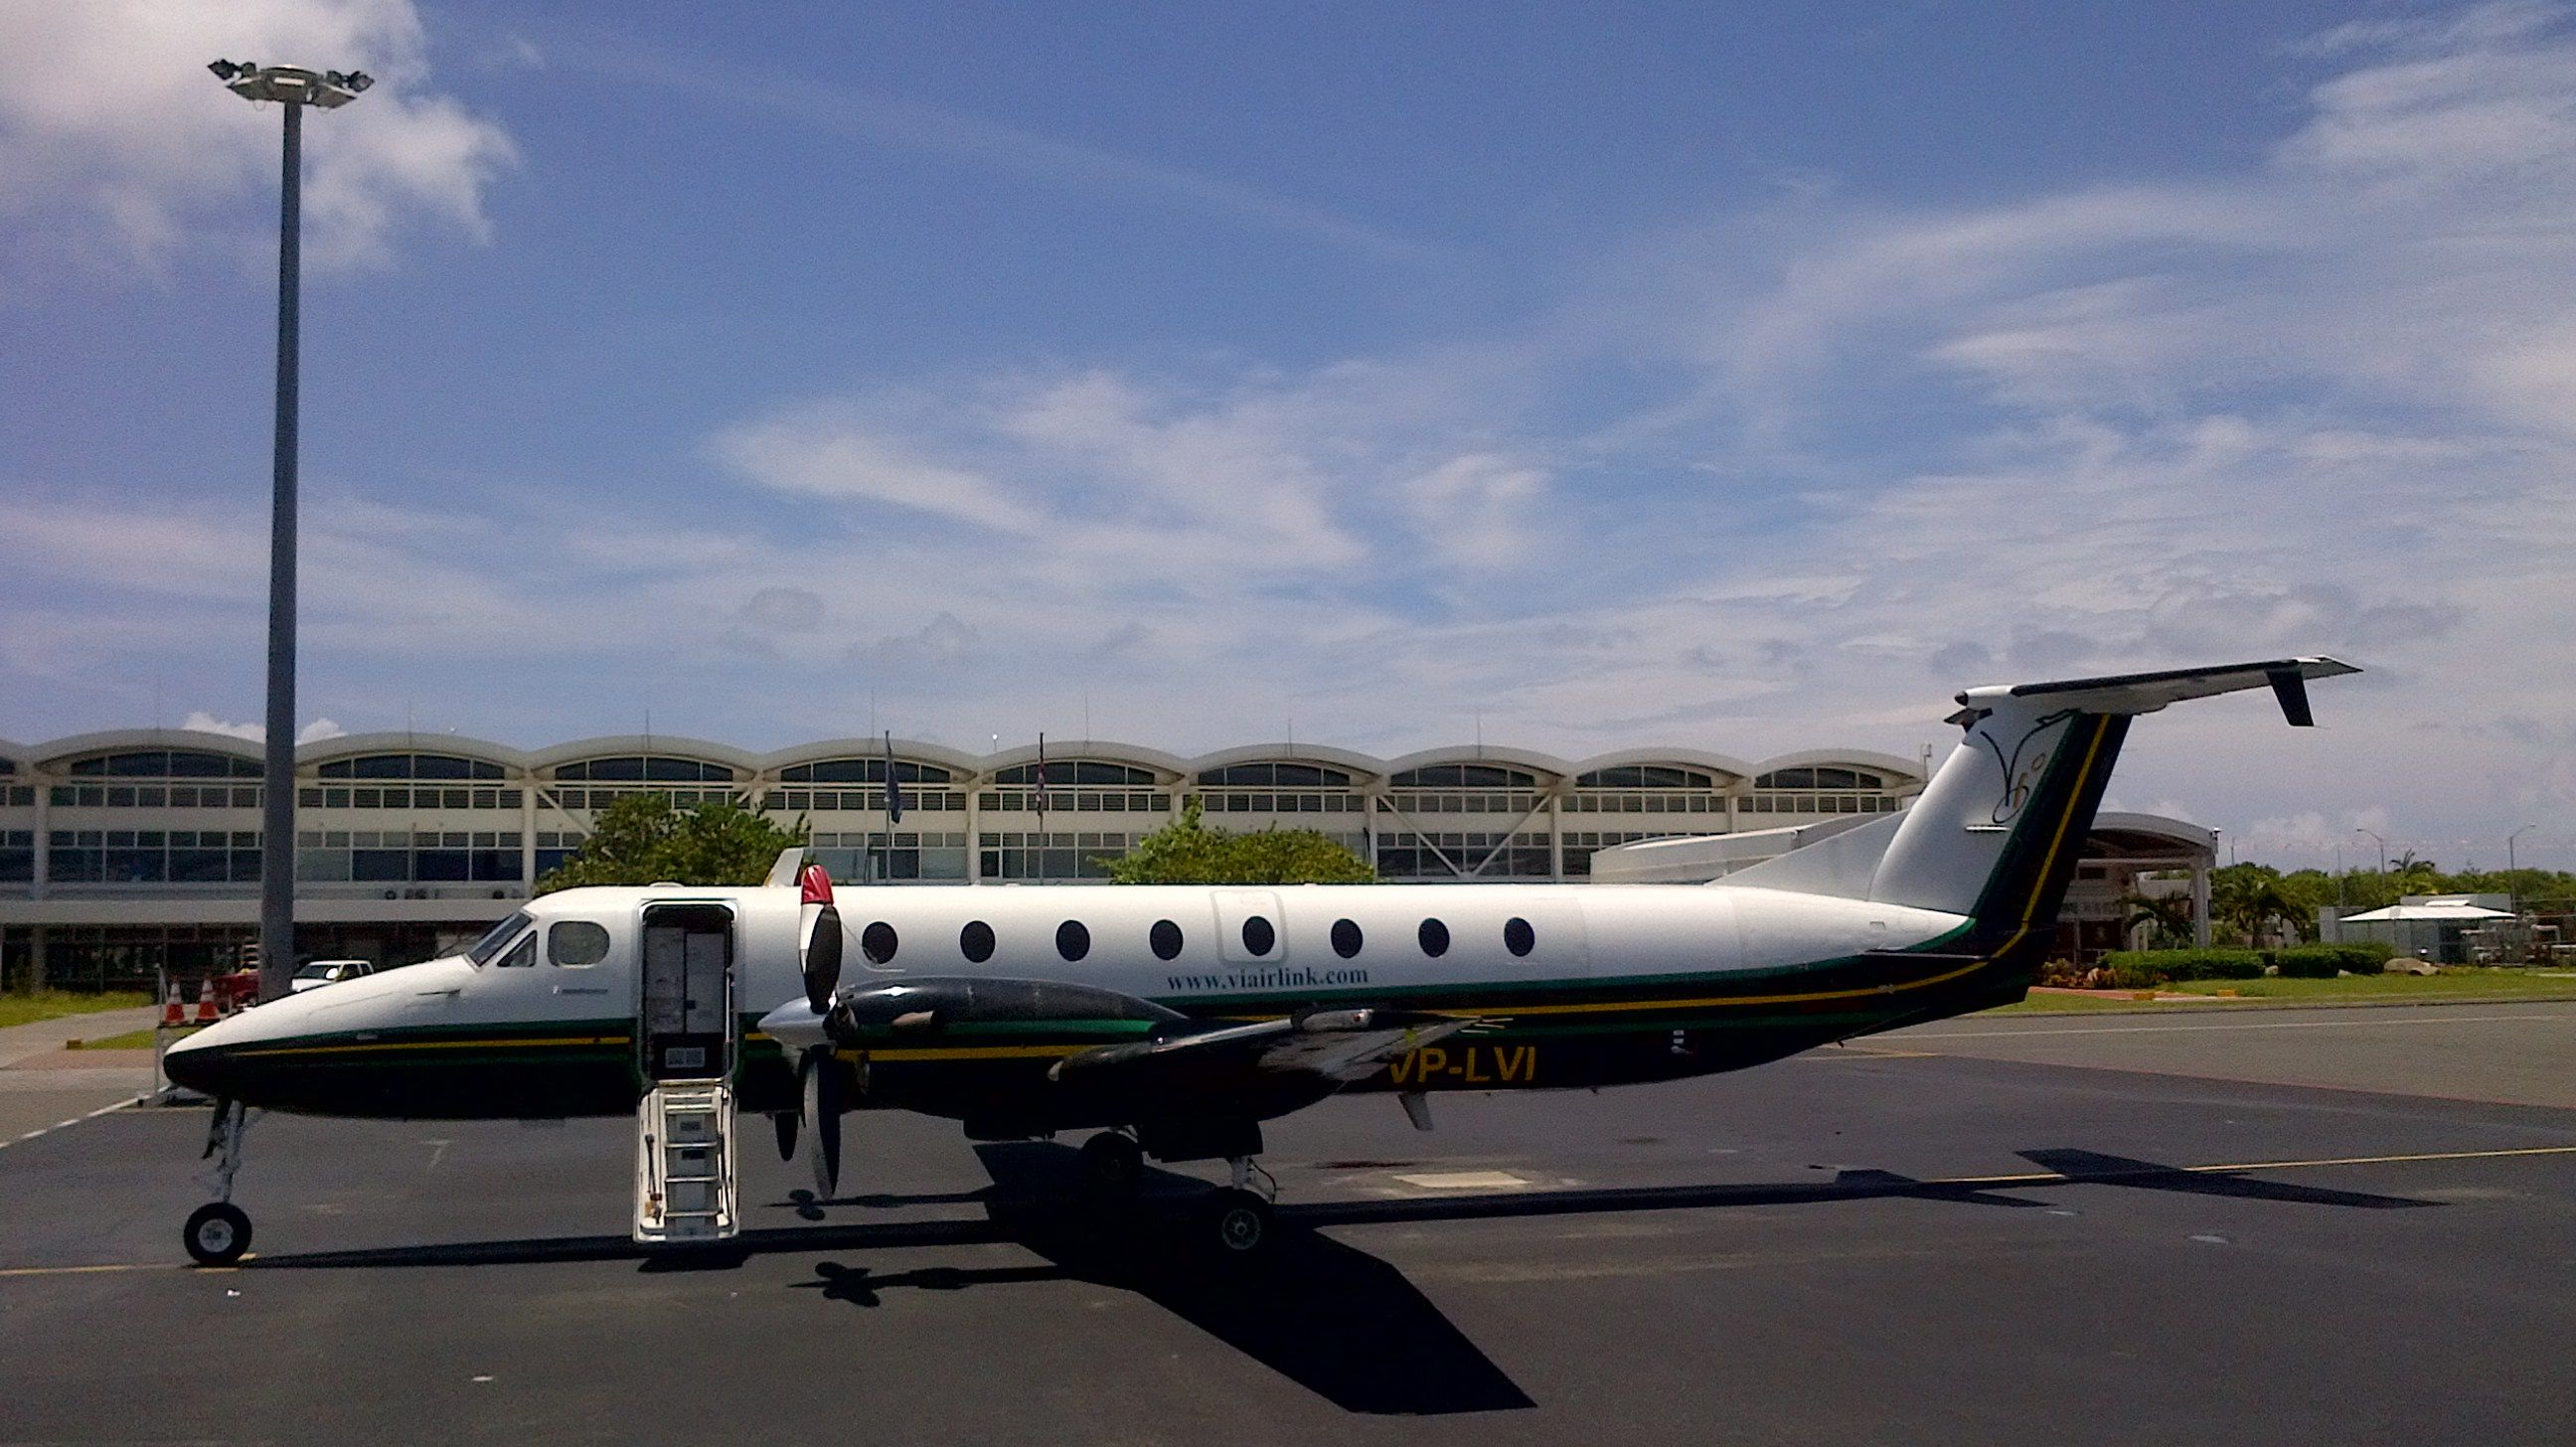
{"points": [[1336, 1320]]}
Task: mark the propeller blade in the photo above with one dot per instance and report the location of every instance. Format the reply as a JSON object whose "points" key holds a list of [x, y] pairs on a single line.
{"points": [[822, 1080], [819, 939], [784, 1123]]}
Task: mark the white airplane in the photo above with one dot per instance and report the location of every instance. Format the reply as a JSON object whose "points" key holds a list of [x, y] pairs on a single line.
{"points": [[1174, 1020]]}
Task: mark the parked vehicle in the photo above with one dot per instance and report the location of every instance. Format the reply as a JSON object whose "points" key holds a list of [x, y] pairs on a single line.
{"points": [[316, 973], [237, 990]]}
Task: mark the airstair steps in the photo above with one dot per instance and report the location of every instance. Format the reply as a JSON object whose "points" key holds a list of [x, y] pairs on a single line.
{"points": [[684, 1164]]}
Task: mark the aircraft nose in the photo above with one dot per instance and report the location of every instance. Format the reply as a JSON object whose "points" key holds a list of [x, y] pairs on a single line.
{"points": [[201, 1063]]}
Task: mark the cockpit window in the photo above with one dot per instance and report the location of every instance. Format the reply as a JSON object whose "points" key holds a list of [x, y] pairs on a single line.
{"points": [[482, 950], [525, 954]]}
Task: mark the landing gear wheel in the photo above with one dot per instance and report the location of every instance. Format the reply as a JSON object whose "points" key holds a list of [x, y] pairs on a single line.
{"points": [[217, 1234], [1113, 1166], [1240, 1226]]}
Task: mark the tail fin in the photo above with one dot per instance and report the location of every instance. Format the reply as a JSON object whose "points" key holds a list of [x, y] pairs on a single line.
{"points": [[1996, 833]]}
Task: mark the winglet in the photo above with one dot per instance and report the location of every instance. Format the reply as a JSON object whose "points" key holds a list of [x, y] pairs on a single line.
{"points": [[2290, 686]]}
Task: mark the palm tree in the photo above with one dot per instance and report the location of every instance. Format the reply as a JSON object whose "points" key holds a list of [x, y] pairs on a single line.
{"points": [[2246, 899], [2166, 918]]}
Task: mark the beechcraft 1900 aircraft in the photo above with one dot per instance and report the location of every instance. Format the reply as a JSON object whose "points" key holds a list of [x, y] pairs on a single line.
{"points": [[1175, 1020]]}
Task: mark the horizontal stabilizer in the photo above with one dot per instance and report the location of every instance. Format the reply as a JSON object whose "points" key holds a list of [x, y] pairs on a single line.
{"points": [[782, 875], [2134, 693]]}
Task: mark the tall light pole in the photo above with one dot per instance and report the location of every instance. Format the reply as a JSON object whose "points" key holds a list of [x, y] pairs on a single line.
{"points": [[293, 88], [2383, 847], [2508, 844]]}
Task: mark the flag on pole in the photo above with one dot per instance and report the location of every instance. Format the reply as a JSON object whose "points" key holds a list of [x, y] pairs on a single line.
{"points": [[1041, 789], [894, 786]]}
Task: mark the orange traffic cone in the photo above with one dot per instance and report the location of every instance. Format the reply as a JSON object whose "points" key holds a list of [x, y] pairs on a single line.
{"points": [[206, 1004], [171, 1014]]}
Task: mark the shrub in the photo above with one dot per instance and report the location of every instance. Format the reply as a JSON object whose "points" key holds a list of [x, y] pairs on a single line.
{"points": [[2140, 969], [2320, 962], [2130, 976]]}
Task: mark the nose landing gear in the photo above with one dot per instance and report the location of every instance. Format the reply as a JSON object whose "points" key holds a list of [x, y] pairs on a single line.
{"points": [[1239, 1218], [218, 1233]]}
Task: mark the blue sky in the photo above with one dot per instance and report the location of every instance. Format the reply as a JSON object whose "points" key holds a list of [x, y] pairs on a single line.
{"points": [[1586, 376]]}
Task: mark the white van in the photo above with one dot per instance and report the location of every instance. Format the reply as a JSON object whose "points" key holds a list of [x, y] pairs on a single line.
{"points": [[316, 973]]}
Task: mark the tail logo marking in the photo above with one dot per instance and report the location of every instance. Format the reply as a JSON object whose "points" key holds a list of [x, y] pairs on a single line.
{"points": [[2021, 774]]}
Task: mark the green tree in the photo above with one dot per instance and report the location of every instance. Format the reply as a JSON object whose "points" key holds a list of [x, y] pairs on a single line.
{"points": [[646, 839], [1189, 851], [2167, 918], [2247, 900]]}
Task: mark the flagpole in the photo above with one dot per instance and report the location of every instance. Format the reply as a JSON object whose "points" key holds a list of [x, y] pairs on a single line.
{"points": [[893, 803]]}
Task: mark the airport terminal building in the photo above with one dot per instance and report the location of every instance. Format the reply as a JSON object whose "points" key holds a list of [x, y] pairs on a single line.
{"points": [[123, 853]]}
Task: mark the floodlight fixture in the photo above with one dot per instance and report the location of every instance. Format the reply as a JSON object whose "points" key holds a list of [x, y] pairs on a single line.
{"points": [[292, 84]]}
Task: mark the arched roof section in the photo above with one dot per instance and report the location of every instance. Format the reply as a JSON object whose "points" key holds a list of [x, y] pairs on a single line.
{"points": [[1167, 768], [662, 746], [2143, 836], [1363, 768], [1727, 767], [14, 759], [350, 746], [963, 766], [1901, 773], [1547, 767], [52, 756]]}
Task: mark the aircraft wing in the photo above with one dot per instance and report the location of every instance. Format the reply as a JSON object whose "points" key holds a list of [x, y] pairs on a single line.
{"points": [[1328, 1046]]}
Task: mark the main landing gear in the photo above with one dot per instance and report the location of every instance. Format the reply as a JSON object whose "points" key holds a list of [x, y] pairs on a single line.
{"points": [[1113, 1166], [218, 1232], [1234, 1222]]}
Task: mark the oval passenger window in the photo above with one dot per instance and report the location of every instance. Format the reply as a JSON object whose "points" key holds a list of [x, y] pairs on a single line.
{"points": [[1165, 937], [1518, 937], [576, 943], [1258, 935], [975, 941], [1435, 938], [1346, 937], [877, 942], [1071, 940]]}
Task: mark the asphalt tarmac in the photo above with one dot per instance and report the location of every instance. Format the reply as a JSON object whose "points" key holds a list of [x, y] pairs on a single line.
{"points": [[2107, 1237]]}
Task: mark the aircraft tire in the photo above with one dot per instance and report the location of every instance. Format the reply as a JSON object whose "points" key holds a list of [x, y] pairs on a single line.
{"points": [[1113, 1166], [217, 1234], [1240, 1226]]}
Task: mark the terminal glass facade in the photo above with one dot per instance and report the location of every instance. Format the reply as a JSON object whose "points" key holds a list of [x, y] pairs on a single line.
{"points": [[414, 842]]}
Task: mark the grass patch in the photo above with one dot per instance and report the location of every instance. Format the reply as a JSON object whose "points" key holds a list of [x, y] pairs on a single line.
{"points": [[30, 1007], [2450, 985]]}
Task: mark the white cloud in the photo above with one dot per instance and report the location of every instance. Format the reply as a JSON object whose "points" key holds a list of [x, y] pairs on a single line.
{"points": [[876, 119], [830, 453], [1477, 510], [143, 149], [2326, 401], [204, 722]]}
